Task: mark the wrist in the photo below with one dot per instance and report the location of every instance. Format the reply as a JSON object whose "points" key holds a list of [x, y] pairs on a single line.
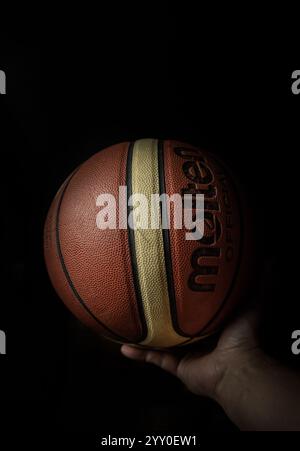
{"points": [[237, 374]]}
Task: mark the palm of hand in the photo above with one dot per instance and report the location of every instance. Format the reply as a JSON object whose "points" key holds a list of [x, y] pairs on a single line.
{"points": [[202, 373]]}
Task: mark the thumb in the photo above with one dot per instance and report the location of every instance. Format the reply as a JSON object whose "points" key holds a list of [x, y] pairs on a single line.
{"points": [[195, 370], [165, 360]]}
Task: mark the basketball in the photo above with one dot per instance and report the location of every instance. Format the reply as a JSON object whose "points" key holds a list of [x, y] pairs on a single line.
{"points": [[151, 286]]}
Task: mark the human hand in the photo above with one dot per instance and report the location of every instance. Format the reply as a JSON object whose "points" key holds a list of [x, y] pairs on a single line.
{"points": [[203, 374], [256, 392]]}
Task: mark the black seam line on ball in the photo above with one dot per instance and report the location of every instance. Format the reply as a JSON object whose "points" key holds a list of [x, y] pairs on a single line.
{"points": [[132, 250], [65, 270], [238, 264], [166, 242]]}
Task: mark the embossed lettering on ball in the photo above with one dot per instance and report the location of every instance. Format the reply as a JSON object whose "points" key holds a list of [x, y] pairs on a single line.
{"points": [[150, 287]]}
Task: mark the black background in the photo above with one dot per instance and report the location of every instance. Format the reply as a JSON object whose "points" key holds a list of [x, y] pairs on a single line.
{"points": [[75, 89]]}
